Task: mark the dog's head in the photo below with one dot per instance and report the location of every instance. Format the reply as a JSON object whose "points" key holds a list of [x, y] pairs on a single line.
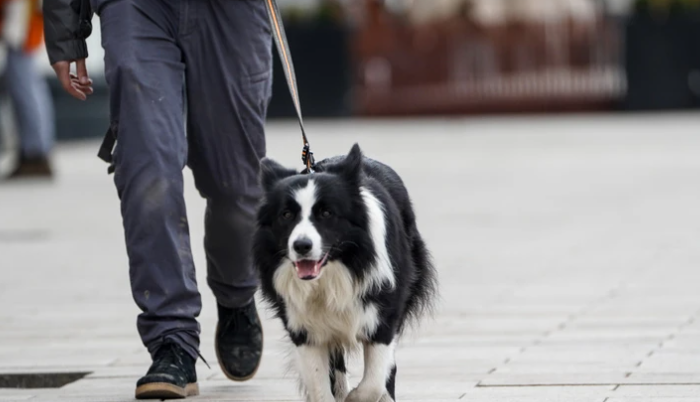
{"points": [[311, 219]]}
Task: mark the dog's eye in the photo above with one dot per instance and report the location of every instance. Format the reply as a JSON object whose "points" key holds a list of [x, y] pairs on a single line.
{"points": [[287, 215], [325, 214]]}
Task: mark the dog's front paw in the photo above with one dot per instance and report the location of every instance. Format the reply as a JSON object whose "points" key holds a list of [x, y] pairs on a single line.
{"points": [[386, 398], [341, 387], [368, 395]]}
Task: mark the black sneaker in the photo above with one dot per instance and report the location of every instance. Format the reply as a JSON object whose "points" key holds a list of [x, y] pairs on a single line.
{"points": [[239, 341], [171, 376]]}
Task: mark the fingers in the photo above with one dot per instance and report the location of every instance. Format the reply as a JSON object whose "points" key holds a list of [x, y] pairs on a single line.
{"points": [[75, 78], [83, 82], [81, 69], [71, 83], [87, 88], [62, 69]]}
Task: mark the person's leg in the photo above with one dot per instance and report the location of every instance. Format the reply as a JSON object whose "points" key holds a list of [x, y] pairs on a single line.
{"points": [[145, 72], [33, 108], [229, 84], [228, 51]]}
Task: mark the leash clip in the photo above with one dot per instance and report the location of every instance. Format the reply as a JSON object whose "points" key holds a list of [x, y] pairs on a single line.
{"points": [[307, 157]]}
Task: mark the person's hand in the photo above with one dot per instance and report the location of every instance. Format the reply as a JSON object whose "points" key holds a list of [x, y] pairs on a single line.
{"points": [[79, 86]]}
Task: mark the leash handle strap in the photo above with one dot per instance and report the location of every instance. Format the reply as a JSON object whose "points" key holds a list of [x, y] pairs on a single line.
{"points": [[280, 38]]}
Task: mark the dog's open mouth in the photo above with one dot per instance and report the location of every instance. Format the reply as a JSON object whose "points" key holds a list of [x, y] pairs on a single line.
{"points": [[310, 269]]}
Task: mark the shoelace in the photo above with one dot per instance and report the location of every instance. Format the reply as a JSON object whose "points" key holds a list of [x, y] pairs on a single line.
{"points": [[203, 359], [240, 319], [168, 355], [171, 354]]}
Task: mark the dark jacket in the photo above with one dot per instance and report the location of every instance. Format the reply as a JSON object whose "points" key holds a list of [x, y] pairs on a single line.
{"points": [[67, 25]]}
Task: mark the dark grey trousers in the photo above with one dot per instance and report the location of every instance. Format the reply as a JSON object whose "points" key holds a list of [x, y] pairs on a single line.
{"points": [[189, 81]]}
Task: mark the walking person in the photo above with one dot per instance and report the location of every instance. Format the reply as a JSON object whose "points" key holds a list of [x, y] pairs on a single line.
{"points": [[189, 83], [22, 35]]}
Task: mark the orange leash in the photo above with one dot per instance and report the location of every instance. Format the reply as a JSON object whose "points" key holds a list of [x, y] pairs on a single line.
{"points": [[286, 57]]}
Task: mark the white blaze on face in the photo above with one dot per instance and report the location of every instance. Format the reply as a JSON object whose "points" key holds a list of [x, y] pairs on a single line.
{"points": [[306, 198]]}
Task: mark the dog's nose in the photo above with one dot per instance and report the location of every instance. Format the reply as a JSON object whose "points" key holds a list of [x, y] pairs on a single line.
{"points": [[303, 246]]}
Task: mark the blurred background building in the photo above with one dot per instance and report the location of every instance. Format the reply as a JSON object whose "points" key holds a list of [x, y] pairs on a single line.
{"points": [[440, 57]]}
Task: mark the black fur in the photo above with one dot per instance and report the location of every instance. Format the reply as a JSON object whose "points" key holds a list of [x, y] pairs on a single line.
{"points": [[337, 365], [391, 383]]}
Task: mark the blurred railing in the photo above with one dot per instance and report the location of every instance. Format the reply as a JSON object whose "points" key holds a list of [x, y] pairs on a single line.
{"points": [[460, 66]]}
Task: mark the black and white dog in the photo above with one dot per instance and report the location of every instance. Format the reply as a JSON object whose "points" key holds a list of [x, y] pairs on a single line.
{"points": [[342, 263]]}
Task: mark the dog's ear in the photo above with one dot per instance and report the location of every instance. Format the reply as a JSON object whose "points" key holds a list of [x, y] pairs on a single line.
{"points": [[351, 166], [271, 172]]}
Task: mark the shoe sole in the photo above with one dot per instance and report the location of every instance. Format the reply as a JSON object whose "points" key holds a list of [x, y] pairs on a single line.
{"points": [[164, 390], [218, 357]]}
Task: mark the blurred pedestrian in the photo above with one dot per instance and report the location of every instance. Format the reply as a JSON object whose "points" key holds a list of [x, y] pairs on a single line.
{"points": [[189, 82], [22, 36]]}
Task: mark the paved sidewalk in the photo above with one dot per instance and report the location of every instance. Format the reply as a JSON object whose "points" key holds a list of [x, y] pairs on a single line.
{"points": [[568, 252]]}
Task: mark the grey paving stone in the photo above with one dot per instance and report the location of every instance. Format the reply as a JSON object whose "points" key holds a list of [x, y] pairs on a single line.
{"points": [[429, 389], [655, 399], [541, 391], [657, 391], [472, 398], [586, 378], [674, 363], [666, 377], [7, 395], [579, 357], [527, 367]]}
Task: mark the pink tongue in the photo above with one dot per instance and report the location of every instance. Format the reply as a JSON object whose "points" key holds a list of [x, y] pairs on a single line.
{"points": [[307, 269]]}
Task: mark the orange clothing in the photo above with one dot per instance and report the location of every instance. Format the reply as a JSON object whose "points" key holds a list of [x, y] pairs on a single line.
{"points": [[35, 31]]}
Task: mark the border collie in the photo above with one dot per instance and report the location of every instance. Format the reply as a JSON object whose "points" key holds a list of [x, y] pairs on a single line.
{"points": [[342, 264]]}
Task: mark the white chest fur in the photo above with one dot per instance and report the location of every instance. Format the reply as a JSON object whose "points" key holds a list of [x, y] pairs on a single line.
{"points": [[328, 309]]}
